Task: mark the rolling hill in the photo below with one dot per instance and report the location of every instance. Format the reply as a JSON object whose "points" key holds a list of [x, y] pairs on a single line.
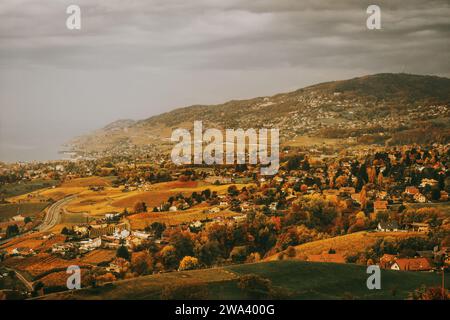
{"points": [[296, 279], [394, 108], [348, 245]]}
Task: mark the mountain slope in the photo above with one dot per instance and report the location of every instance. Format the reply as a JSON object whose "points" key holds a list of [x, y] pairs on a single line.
{"points": [[381, 103]]}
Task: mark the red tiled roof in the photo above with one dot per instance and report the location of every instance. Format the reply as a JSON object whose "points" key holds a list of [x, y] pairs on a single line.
{"points": [[380, 205], [415, 264]]}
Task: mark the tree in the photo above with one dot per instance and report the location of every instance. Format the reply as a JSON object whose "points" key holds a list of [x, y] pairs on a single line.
{"points": [[305, 165], [206, 193], [371, 174], [182, 242], [158, 228], [363, 198], [142, 263], [382, 216], [359, 225], [239, 254], [122, 252], [380, 179], [140, 207], [105, 278], [188, 263], [123, 265], [254, 257], [209, 252], [169, 257], [361, 215], [435, 194], [291, 252], [233, 191], [425, 293], [12, 230], [341, 181]]}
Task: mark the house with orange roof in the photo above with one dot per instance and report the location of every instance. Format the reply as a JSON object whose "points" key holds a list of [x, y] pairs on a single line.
{"points": [[380, 206], [387, 260], [411, 190], [412, 264]]}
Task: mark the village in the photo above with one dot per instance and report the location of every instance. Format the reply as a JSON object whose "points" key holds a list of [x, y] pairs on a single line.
{"points": [[233, 214]]}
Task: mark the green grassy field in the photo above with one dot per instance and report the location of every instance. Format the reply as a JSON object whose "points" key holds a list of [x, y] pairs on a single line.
{"points": [[299, 279], [310, 280], [16, 189], [9, 210]]}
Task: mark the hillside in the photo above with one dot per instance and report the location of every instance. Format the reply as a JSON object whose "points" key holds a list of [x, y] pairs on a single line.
{"points": [[382, 108], [348, 245], [296, 279]]}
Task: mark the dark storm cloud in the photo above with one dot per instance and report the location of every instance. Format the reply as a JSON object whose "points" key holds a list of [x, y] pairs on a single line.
{"points": [[222, 34], [136, 58]]}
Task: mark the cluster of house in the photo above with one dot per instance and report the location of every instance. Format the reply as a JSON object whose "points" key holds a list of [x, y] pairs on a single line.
{"points": [[423, 261], [94, 236], [390, 192], [238, 219], [393, 226], [47, 170]]}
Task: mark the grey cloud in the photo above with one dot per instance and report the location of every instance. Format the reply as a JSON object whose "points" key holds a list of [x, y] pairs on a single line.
{"points": [[136, 58]]}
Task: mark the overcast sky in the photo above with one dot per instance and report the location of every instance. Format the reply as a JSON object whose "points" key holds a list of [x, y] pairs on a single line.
{"points": [[137, 58]]}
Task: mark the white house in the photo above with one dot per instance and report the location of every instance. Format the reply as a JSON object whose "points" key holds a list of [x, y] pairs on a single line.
{"points": [[121, 234], [141, 234], [420, 198], [89, 245], [391, 226], [223, 204], [214, 210], [22, 251], [112, 215], [197, 224], [273, 206], [18, 218]]}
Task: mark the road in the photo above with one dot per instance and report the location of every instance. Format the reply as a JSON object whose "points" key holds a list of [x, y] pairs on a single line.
{"points": [[52, 218], [54, 214], [28, 284]]}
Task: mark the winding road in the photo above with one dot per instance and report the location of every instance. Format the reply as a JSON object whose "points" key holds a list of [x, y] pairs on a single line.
{"points": [[54, 214], [52, 218]]}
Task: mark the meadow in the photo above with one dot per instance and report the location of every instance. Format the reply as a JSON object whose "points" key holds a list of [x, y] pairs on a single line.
{"points": [[9, 210], [15, 189], [348, 245], [297, 279]]}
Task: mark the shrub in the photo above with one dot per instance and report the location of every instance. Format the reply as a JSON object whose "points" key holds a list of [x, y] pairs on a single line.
{"points": [[255, 287], [140, 207], [122, 252], [188, 263], [291, 252], [429, 293], [239, 254], [142, 263]]}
